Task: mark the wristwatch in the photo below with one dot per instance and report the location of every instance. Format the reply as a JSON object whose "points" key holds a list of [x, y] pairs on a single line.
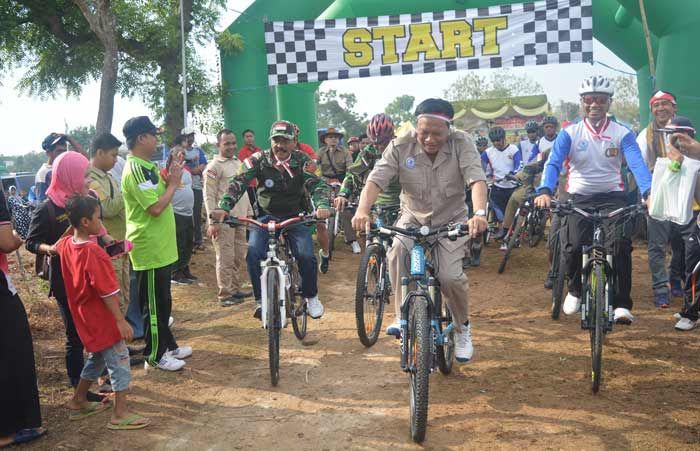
{"points": [[481, 213]]}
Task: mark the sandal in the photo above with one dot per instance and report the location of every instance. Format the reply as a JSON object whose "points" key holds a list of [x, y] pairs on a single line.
{"points": [[129, 423], [92, 409], [26, 435]]}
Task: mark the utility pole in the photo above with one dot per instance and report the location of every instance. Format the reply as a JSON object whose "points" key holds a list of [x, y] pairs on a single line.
{"points": [[184, 66]]}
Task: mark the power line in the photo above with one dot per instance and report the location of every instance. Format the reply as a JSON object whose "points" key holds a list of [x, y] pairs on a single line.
{"points": [[612, 68]]}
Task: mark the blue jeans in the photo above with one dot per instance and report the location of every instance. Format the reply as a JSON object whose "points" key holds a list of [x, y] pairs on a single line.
{"points": [[116, 360], [134, 316], [299, 237]]}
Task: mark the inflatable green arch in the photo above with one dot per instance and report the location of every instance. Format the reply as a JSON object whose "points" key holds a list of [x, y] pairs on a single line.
{"points": [[250, 103]]}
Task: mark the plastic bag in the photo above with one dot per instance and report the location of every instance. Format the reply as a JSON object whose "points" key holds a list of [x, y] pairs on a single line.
{"points": [[672, 193]]}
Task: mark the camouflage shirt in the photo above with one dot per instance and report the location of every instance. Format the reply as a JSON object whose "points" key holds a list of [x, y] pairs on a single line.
{"points": [[357, 176], [281, 189]]}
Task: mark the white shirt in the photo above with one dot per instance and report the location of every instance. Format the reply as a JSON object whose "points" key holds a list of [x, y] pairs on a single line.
{"points": [[528, 152], [643, 145], [502, 163]]}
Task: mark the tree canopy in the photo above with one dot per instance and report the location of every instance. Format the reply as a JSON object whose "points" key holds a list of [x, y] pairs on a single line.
{"points": [[401, 109], [499, 84], [338, 110]]}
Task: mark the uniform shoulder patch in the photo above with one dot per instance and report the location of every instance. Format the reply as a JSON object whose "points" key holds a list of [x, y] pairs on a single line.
{"points": [[310, 166], [211, 173], [250, 162]]}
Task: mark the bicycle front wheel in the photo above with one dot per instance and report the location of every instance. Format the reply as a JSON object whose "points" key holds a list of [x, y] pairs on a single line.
{"points": [[598, 314], [296, 308], [535, 227], [446, 352], [370, 294], [420, 355], [512, 242], [559, 279], [332, 233], [273, 325]]}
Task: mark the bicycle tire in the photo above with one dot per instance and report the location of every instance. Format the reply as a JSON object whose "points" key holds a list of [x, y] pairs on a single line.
{"points": [[598, 329], [446, 352], [535, 231], [273, 325], [296, 311], [332, 233], [419, 348], [559, 279], [511, 244], [369, 301]]}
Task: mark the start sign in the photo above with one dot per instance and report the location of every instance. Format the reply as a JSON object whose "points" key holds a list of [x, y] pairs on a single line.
{"points": [[532, 33]]}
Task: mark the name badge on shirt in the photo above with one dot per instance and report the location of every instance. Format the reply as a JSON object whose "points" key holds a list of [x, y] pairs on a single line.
{"points": [[269, 183], [612, 152], [410, 162], [582, 145]]}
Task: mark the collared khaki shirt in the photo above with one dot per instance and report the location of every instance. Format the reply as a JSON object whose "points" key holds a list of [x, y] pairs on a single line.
{"points": [[341, 158], [216, 181], [110, 194], [432, 192]]}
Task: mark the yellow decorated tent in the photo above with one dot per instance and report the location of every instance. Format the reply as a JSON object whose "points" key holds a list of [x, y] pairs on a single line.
{"points": [[477, 116]]}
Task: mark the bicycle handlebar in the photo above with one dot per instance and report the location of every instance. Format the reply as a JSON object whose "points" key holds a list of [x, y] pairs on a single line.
{"points": [[233, 221], [566, 208], [451, 231]]}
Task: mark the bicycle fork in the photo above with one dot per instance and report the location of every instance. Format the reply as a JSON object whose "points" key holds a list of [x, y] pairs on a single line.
{"points": [[280, 297], [588, 266]]}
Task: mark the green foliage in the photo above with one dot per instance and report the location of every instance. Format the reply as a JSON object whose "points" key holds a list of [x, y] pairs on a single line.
{"points": [[29, 162], [567, 111], [229, 43], [84, 134], [401, 109], [498, 84], [337, 110], [625, 104]]}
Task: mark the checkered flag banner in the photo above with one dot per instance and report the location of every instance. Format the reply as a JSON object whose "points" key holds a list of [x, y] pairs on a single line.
{"points": [[522, 34]]}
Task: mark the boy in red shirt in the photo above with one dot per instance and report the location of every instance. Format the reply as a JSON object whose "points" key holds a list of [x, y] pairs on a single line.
{"points": [[93, 298]]}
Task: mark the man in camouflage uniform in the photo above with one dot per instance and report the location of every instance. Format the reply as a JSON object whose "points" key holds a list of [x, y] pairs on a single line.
{"points": [[284, 177]]}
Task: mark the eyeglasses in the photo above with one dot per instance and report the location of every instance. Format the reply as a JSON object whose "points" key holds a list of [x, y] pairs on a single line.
{"points": [[599, 99]]}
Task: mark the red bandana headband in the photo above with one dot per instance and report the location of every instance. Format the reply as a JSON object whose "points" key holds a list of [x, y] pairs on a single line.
{"points": [[661, 96]]}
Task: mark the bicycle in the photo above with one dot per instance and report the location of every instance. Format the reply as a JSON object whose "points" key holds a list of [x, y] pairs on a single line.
{"points": [[372, 288], [280, 285], [427, 330], [558, 275], [528, 220], [598, 279]]}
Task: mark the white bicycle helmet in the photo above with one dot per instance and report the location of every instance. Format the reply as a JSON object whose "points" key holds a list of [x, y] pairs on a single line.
{"points": [[596, 84]]}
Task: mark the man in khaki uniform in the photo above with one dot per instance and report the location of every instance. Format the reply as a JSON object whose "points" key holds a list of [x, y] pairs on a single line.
{"points": [[433, 165], [103, 156], [229, 243], [334, 162]]}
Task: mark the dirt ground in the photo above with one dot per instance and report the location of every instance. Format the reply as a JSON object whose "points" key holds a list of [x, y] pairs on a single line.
{"points": [[527, 387]]}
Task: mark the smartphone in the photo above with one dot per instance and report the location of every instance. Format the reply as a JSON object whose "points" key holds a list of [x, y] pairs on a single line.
{"points": [[116, 248]]}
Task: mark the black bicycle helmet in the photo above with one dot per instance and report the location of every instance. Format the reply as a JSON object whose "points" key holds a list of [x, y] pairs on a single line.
{"points": [[550, 120], [531, 126], [497, 134], [482, 141]]}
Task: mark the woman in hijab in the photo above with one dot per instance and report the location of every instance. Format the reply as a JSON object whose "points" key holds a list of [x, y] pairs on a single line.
{"points": [[20, 416], [20, 212], [49, 224]]}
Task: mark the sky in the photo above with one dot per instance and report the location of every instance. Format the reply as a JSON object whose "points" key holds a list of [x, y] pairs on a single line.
{"points": [[25, 121]]}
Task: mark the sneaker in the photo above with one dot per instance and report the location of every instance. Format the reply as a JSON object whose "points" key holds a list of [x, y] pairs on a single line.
{"points": [[257, 314], [500, 234], [394, 329], [572, 304], [464, 350], [549, 281], [661, 299], [356, 249], [180, 353], [188, 275], [314, 307], [171, 321], [685, 324], [504, 246], [179, 279], [677, 315], [166, 364], [623, 316], [242, 294], [323, 262], [230, 301], [676, 289]]}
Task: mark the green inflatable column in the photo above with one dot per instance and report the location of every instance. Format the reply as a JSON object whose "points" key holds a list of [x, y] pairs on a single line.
{"points": [[297, 103], [248, 100]]}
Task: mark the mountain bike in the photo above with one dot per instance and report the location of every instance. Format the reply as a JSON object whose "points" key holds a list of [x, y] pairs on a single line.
{"points": [[373, 289], [598, 277], [427, 330], [528, 219], [280, 285]]}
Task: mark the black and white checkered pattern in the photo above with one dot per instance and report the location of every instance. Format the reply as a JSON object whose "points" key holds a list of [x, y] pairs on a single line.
{"points": [[540, 32]]}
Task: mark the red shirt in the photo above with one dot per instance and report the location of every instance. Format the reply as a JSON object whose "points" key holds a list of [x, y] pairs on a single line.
{"points": [[89, 278], [308, 150], [245, 152]]}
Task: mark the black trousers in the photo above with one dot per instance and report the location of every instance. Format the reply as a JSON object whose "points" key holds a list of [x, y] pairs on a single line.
{"points": [[184, 232], [691, 237], [197, 216], [578, 232], [19, 397], [73, 345], [156, 305]]}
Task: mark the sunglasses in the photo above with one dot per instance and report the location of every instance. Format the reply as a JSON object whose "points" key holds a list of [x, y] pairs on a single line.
{"points": [[599, 99]]}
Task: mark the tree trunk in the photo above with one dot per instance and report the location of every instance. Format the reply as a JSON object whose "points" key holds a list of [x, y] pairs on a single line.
{"points": [[104, 24]]}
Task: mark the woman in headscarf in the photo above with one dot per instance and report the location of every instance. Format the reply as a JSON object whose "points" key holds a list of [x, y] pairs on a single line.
{"points": [[20, 416], [20, 212], [50, 223]]}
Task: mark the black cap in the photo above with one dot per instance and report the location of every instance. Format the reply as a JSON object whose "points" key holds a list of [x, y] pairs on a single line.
{"points": [[437, 107], [50, 141], [139, 125], [683, 125], [104, 141]]}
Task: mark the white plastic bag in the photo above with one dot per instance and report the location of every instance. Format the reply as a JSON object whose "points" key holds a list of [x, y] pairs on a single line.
{"points": [[672, 193]]}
